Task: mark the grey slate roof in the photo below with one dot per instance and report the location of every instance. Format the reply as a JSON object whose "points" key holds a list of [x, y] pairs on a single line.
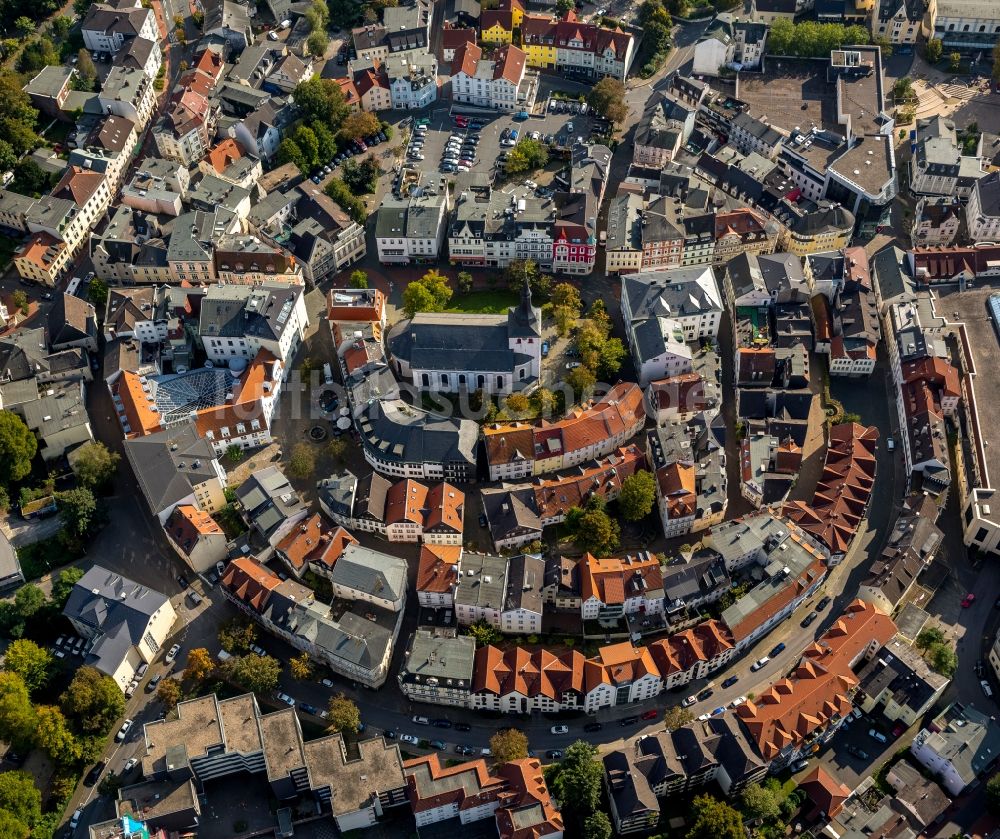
{"points": [[238, 311], [455, 342], [396, 431], [681, 291], [443, 658], [370, 572], [268, 499], [169, 463], [336, 493]]}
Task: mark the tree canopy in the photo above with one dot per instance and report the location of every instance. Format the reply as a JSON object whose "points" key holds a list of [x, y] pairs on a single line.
{"points": [[593, 530], [258, 673], [343, 714], [637, 496], [578, 784], [17, 444], [431, 293], [714, 819], [31, 662], [527, 156], [200, 665], [509, 744], [607, 98], [809, 39], [94, 464], [93, 701]]}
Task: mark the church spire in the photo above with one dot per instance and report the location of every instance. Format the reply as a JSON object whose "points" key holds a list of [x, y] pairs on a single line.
{"points": [[526, 297]]}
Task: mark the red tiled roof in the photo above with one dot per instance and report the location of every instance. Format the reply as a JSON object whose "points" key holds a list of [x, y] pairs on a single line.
{"points": [[250, 582], [529, 673], [509, 64], [683, 650], [466, 58], [438, 568], [526, 810], [826, 794]]}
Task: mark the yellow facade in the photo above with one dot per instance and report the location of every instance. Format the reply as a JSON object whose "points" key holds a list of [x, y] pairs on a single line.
{"points": [[829, 240], [496, 34], [540, 55]]}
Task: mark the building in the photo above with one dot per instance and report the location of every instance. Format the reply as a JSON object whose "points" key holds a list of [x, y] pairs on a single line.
{"points": [[493, 83], [438, 669], [966, 26], [577, 49], [412, 76], [960, 747], [466, 792], [72, 322], [361, 574], [270, 507], [11, 574], [411, 230], [176, 467], [525, 681], [614, 587], [126, 624], [108, 27], [437, 575], [982, 215], [898, 682], [505, 592], [457, 352], [197, 538], [936, 221], [667, 123], [901, 22]]}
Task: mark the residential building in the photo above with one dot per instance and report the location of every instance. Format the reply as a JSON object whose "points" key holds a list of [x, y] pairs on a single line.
{"points": [[351, 309], [411, 230], [575, 48], [197, 538], [982, 215], [899, 683], [107, 27], [434, 351], [361, 574], [620, 674], [523, 681], [11, 574], [666, 125], [452, 38], [936, 220], [438, 668], [412, 76], [489, 83], [692, 653], [125, 623], [270, 507], [466, 791], [959, 747], [228, 20], [312, 547], [497, 25], [729, 43], [688, 296], [504, 592], [437, 575], [614, 587], [901, 23], [623, 246], [742, 231], [72, 322]]}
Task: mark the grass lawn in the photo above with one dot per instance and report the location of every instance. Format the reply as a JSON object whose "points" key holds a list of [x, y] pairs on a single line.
{"points": [[494, 302]]}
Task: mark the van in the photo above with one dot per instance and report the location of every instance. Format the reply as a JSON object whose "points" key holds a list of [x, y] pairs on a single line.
{"points": [[876, 735], [194, 597], [327, 374], [986, 688], [890, 444]]}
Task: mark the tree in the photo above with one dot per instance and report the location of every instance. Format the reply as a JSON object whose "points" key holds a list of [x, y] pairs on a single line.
{"points": [[361, 178], [713, 819], [567, 296], [324, 137], [509, 744], [464, 282], [20, 797], [29, 179], [97, 293], [637, 495], [955, 61], [95, 465], [527, 156], [563, 6], [611, 354], [430, 293], [578, 784], [62, 585], [20, 302], [52, 735], [17, 447], [321, 100], [305, 138], [316, 43], [17, 715], [301, 667], [607, 98], [943, 659], [883, 43], [86, 71], [37, 54], [929, 636], [581, 380], [343, 714], [597, 826], [517, 404], [289, 152], [674, 718], [993, 794], [93, 701], [935, 48], [358, 125], [759, 802], [11, 826], [258, 673], [237, 635], [81, 7], [77, 509], [28, 601], [359, 279], [485, 633], [234, 452], [348, 202], [31, 662], [595, 532], [200, 665], [336, 449], [302, 462], [168, 691]]}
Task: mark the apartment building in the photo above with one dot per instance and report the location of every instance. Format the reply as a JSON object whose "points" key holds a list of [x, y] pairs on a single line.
{"points": [[582, 49], [411, 230], [504, 592], [489, 83], [614, 587], [438, 669]]}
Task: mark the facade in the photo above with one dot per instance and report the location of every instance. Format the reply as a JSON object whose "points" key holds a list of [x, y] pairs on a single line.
{"points": [[575, 48], [437, 669], [959, 748], [411, 230], [982, 215]]}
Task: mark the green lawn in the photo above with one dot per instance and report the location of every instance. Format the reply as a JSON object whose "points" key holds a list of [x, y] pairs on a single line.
{"points": [[494, 302]]}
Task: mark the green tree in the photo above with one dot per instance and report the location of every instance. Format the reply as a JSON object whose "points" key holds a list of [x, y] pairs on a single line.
{"points": [[464, 282], [955, 61], [11, 826], [943, 659], [200, 665], [929, 636], [20, 301], [301, 667], [37, 54], [93, 701], [883, 43], [53, 735], [676, 717], [237, 635], [527, 156], [595, 532], [607, 98], [343, 714], [61, 26], [581, 380], [611, 355], [759, 802], [305, 138], [578, 784], [485, 633], [327, 143], [361, 178], [359, 125], [97, 293], [509, 744], [81, 7], [17, 446], [31, 662], [302, 462], [258, 673], [77, 509], [359, 279], [637, 496], [348, 202], [62, 585], [316, 43], [567, 296], [597, 826], [563, 6], [86, 71], [289, 152], [321, 100], [430, 293], [169, 692], [234, 452], [336, 449], [935, 48], [29, 179], [714, 819], [902, 90], [20, 797], [28, 601], [17, 715], [517, 404], [95, 465], [993, 794]]}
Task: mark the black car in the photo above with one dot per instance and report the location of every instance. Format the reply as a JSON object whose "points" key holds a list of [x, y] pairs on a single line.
{"points": [[182, 580], [94, 775], [554, 754], [482, 520], [462, 726], [707, 692], [823, 603], [441, 723], [628, 721], [732, 680], [779, 648], [808, 619], [593, 726], [858, 753], [389, 734]]}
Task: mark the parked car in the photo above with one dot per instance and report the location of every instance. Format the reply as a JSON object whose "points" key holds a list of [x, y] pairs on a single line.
{"points": [[421, 720], [877, 735], [408, 738], [183, 581], [651, 714], [720, 710], [739, 700], [808, 619], [705, 694], [130, 689], [703, 717], [691, 700], [284, 697], [462, 726], [554, 754], [94, 775], [545, 349], [73, 822], [437, 744], [560, 729], [799, 765], [123, 731], [257, 650], [441, 723], [778, 649], [172, 653], [968, 600], [389, 734], [521, 116], [152, 683], [627, 721], [732, 680], [858, 753], [823, 603], [591, 727], [130, 764], [760, 663]]}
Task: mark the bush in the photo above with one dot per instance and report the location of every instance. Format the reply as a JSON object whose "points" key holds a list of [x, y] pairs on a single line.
{"points": [[353, 206]]}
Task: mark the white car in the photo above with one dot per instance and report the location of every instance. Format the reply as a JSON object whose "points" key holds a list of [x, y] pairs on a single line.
{"points": [[560, 729], [172, 653], [284, 697], [73, 822], [760, 663], [739, 700], [413, 156], [327, 683], [408, 738], [687, 703], [123, 731], [131, 688], [130, 764], [703, 717], [256, 650]]}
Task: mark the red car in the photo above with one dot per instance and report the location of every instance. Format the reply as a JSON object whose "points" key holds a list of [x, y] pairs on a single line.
{"points": [[461, 121], [970, 598], [651, 714]]}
